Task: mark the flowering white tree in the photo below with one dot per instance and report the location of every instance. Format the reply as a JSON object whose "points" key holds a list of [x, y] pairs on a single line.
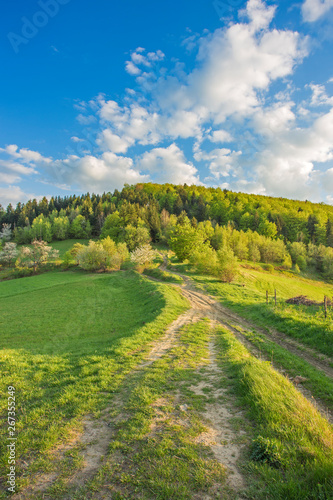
{"points": [[6, 232], [38, 254], [143, 256], [8, 253]]}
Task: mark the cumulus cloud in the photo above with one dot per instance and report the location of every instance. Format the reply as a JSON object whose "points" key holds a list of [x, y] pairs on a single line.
{"points": [[313, 10], [221, 162], [242, 136], [13, 194], [287, 167], [140, 58], [169, 165], [220, 136], [104, 173], [319, 95]]}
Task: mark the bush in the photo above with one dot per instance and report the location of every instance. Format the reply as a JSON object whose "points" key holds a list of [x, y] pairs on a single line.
{"points": [[301, 262], [227, 267], [142, 257], [101, 255], [204, 260]]}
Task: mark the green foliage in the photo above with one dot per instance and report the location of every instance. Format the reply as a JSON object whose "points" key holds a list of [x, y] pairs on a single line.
{"points": [[205, 260], [101, 255], [135, 237], [112, 226], [185, 239], [227, 265], [266, 451], [80, 228], [41, 229], [60, 227]]}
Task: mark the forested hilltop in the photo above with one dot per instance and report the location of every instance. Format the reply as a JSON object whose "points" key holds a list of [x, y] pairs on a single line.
{"points": [[253, 227], [274, 217]]}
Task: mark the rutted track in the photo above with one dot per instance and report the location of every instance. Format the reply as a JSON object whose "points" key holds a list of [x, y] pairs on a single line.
{"points": [[203, 305]]}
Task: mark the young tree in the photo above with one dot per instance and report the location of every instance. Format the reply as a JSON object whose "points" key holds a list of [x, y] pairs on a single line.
{"points": [[185, 239], [41, 229], [8, 253], [38, 254], [60, 228], [143, 257], [6, 233], [80, 228], [227, 265], [135, 237]]}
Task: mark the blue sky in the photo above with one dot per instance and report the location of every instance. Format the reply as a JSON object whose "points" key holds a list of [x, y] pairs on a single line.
{"points": [[225, 93]]}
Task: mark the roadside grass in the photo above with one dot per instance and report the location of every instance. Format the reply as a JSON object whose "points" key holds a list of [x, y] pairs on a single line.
{"points": [[317, 382], [153, 453], [304, 323], [291, 455], [68, 340], [163, 275]]}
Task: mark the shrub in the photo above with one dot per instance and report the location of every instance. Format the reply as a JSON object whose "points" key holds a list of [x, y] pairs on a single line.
{"points": [[227, 267], [142, 257], [301, 262], [204, 260], [36, 255], [8, 253], [101, 255]]}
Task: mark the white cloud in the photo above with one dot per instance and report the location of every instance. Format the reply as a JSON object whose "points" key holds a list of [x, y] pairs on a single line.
{"points": [[237, 64], [312, 10], [287, 167], [96, 173], [13, 194], [24, 154], [220, 136], [76, 139], [132, 69], [221, 162], [259, 14], [86, 120], [276, 118], [319, 95], [169, 165]]}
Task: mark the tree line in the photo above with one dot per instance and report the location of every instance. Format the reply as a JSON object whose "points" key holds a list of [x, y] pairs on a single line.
{"points": [[212, 228], [289, 220]]}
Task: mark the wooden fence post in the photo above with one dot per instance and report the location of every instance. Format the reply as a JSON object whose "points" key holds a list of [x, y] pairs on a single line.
{"points": [[325, 306], [266, 296], [275, 296]]}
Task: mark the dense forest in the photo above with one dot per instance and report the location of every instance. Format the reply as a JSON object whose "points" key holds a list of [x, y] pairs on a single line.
{"points": [[273, 217], [187, 218]]}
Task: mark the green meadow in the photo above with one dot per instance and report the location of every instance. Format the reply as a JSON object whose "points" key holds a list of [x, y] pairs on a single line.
{"points": [[68, 339]]}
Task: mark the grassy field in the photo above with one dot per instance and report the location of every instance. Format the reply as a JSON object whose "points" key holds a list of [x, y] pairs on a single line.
{"points": [[65, 245], [75, 346], [68, 340], [247, 296], [291, 453]]}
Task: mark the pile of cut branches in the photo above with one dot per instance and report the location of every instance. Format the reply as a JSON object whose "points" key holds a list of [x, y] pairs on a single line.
{"points": [[303, 300]]}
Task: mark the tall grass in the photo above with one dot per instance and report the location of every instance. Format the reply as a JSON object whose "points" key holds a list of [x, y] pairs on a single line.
{"points": [[292, 448]]}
